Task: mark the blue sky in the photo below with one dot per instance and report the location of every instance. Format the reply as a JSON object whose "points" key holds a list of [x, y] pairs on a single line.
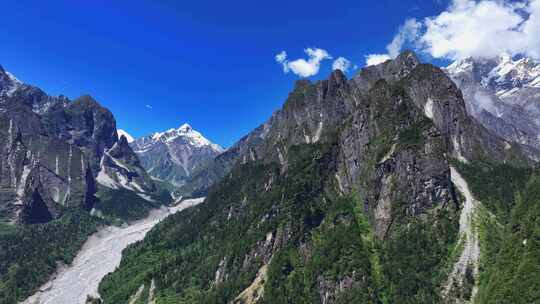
{"points": [[208, 63]]}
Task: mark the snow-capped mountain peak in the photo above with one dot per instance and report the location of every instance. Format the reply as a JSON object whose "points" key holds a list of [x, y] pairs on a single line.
{"points": [[187, 133], [128, 137], [185, 128], [502, 73], [461, 66], [174, 154]]}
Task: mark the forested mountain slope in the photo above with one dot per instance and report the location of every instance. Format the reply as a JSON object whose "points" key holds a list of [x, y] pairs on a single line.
{"points": [[344, 195]]}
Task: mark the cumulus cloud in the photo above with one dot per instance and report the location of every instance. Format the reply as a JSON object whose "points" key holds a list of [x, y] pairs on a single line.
{"points": [[408, 32], [342, 64], [149, 106], [303, 67], [472, 28], [281, 57], [478, 29], [374, 59]]}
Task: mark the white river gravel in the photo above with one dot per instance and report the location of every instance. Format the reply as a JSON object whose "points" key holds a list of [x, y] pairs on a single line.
{"points": [[100, 255]]}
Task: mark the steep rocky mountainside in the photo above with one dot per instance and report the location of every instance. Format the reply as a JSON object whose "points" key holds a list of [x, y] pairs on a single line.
{"points": [[503, 94], [309, 125], [53, 152], [345, 195], [176, 154]]}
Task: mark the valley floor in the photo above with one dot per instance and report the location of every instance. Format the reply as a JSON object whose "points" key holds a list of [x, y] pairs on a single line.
{"points": [[100, 255]]}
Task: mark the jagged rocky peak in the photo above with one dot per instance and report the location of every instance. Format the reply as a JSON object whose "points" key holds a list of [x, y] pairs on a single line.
{"points": [[53, 149], [315, 111], [390, 70]]}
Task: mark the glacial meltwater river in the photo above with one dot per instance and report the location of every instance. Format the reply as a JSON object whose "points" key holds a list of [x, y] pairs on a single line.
{"points": [[100, 255]]}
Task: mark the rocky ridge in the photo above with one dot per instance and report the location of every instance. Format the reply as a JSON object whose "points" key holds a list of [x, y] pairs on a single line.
{"points": [[53, 151]]}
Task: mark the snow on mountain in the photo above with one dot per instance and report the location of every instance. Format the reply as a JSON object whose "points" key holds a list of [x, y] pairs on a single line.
{"points": [[129, 138], [188, 133], [8, 83], [503, 75], [174, 155], [503, 93]]}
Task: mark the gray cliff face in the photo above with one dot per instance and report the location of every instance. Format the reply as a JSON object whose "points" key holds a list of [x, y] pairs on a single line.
{"points": [[120, 168], [341, 108], [503, 94], [52, 150], [397, 125], [175, 155]]}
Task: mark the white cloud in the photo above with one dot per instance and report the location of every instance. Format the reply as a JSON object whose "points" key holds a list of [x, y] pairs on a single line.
{"points": [[478, 29], [374, 59], [408, 32], [303, 67], [149, 106], [341, 64], [474, 28], [471, 28], [281, 57]]}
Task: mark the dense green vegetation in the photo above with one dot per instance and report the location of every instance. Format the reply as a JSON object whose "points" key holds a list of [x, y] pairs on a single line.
{"points": [[337, 254], [117, 205], [415, 257], [510, 240], [496, 185], [29, 254], [413, 136], [323, 241], [195, 241]]}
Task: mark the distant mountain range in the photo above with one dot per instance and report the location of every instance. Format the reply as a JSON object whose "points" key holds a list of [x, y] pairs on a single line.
{"points": [[176, 154], [503, 94]]}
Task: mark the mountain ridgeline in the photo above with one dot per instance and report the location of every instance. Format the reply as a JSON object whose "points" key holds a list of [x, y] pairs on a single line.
{"points": [[345, 195]]}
